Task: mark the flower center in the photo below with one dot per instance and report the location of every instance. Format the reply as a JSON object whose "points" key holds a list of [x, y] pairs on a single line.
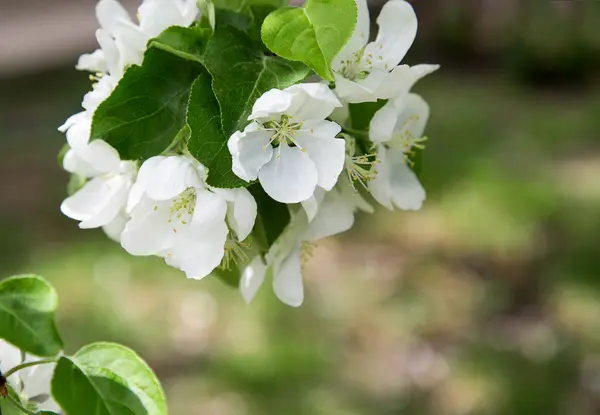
{"points": [[359, 168], [285, 129], [406, 142], [234, 252], [358, 66], [182, 209]]}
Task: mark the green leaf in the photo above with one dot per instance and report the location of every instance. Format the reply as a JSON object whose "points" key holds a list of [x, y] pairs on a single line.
{"points": [[362, 114], [241, 75], [27, 307], [243, 5], [271, 219], [207, 143], [186, 42], [109, 378], [313, 34], [76, 182], [147, 109]]}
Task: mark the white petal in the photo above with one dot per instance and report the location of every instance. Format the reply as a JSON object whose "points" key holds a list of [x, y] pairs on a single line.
{"points": [[111, 52], [252, 278], [341, 114], [359, 38], [98, 202], [383, 123], [311, 101], [328, 155], [115, 228], [287, 280], [101, 90], [172, 176], [272, 103], [78, 135], [406, 190], [402, 78], [199, 250], [92, 62], [311, 207], [250, 152], [210, 208], [102, 156], [335, 216], [241, 214], [380, 187], [145, 175], [73, 120], [110, 13], [413, 116], [397, 30], [131, 44], [364, 90], [149, 231], [157, 15], [76, 165], [290, 177]]}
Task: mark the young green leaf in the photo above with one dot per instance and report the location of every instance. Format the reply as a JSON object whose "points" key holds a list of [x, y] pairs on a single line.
{"points": [[313, 34], [207, 143], [27, 307], [241, 75], [147, 109], [109, 378]]}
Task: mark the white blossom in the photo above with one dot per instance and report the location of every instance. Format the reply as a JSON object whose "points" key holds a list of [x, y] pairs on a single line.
{"points": [[289, 146], [400, 130], [335, 214], [174, 214], [122, 41], [366, 72], [32, 383]]}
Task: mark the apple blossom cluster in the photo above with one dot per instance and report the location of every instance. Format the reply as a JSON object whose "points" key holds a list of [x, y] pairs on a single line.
{"points": [[206, 141]]}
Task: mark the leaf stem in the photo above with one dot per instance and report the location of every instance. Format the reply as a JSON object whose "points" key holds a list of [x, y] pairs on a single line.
{"points": [[18, 405], [28, 364]]}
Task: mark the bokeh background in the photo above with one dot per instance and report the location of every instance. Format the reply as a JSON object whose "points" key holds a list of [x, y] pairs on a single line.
{"points": [[487, 301]]}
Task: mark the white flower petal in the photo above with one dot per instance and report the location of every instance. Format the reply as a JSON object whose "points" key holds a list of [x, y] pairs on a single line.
{"points": [[397, 30], [73, 120], [102, 156], [328, 155], [145, 175], [98, 201], [199, 249], [11, 357], [287, 280], [150, 230], [341, 114], [115, 228], [272, 103], [131, 44], [252, 278], [111, 52], [359, 37], [92, 62], [290, 177], [110, 13], [157, 15], [383, 123], [364, 90], [413, 115], [334, 216], [76, 165], [407, 193], [171, 177], [250, 151], [101, 90], [210, 208], [311, 101], [311, 207], [241, 214], [379, 187], [78, 135], [402, 78]]}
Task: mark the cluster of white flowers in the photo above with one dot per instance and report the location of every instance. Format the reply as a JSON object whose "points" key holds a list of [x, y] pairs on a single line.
{"points": [[291, 146], [31, 383]]}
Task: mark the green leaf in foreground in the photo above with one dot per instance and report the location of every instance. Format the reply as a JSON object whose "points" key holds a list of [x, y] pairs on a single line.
{"points": [[207, 143], [147, 109], [313, 34], [272, 217], [27, 307], [107, 379], [241, 75]]}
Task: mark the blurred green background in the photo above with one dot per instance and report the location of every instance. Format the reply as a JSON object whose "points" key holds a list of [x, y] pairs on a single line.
{"points": [[487, 301]]}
